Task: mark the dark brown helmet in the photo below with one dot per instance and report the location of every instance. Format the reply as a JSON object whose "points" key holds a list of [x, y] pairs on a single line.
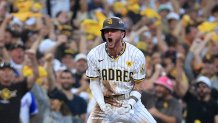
{"points": [[112, 23]]}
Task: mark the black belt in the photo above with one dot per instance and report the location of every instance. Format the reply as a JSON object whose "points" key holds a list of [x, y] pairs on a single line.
{"points": [[119, 97]]}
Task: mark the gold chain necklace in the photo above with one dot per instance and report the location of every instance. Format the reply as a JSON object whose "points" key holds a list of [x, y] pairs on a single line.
{"points": [[120, 53]]}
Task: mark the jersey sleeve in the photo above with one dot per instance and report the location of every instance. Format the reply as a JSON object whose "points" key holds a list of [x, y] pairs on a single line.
{"points": [[139, 68], [92, 70]]}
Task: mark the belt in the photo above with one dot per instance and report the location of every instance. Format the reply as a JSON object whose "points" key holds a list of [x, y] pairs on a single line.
{"points": [[118, 97]]}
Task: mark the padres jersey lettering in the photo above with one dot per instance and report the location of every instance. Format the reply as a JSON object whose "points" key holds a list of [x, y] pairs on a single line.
{"points": [[117, 74]]}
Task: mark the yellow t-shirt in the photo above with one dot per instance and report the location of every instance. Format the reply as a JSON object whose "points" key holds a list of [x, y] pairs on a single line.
{"points": [[27, 71]]}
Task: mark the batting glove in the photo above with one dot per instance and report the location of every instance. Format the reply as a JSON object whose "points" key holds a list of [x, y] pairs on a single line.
{"points": [[106, 108], [124, 109]]}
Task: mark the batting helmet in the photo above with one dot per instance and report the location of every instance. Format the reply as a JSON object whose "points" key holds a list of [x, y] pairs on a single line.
{"points": [[112, 23]]}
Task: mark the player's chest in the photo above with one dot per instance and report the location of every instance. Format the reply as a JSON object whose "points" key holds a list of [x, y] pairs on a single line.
{"points": [[120, 69], [121, 63]]}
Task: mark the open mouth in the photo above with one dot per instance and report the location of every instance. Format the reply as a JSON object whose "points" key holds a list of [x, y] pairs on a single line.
{"points": [[110, 40]]}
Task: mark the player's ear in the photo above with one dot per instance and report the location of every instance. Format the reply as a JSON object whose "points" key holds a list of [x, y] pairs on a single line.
{"points": [[123, 34]]}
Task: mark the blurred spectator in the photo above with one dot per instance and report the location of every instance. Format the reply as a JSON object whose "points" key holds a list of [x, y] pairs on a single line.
{"points": [[190, 33], [42, 102], [67, 58], [3, 10], [178, 37], [59, 113], [13, 89], [200, 107], [83, 91], [80, 12], [76, 104], [62, 24], [16, 52], [216, 71], [28, 107], [163, 11], [81, 66], [56, 6], [46, 45], [162, 104], [95, 4]]}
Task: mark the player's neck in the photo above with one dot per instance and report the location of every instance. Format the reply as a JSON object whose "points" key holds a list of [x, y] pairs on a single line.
{"points": [[114, 53]]}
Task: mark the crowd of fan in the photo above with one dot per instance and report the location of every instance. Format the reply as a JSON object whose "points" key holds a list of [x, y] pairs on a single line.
{"points": [[178, 37]]}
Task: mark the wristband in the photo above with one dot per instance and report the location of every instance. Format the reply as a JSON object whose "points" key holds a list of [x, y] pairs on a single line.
{"points": [[134, 97]]}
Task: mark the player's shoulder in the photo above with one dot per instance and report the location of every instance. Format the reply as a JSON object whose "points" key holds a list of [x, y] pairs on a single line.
{"points": [[134, 49], [96, 50]]}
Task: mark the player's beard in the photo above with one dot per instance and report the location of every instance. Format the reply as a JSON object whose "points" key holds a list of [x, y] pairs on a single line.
{"points": [[113, 43]]}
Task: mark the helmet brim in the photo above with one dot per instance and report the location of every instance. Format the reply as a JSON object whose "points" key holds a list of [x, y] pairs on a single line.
{"points": [[111, 27]]}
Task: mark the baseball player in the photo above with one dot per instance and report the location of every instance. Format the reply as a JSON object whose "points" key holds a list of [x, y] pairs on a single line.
{"points": [[115, 69]]}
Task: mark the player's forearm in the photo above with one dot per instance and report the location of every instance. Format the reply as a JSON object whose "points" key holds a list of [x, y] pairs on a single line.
{"points": [[138, 86], [96, 91], [135, 94]]}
